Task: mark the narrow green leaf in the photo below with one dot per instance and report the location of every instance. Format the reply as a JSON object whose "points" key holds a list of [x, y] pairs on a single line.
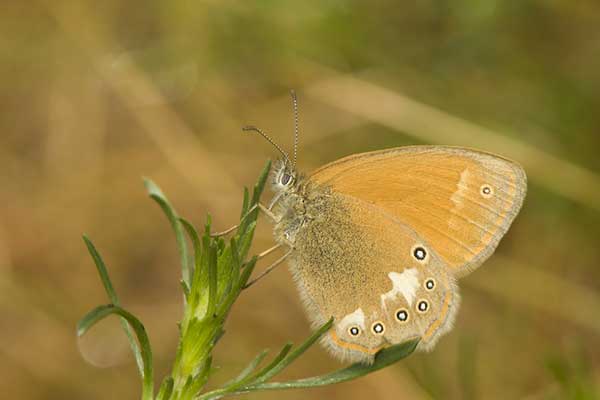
{"points": [[157, 195], [202, 377], [245, 241], [186, 290], [249, 368], [230, 298], [195, 383], [166, 389], [249, 379], [258, 189], [245, 203], [260, 184], [112, 295], [207, 225], [297, 351], [212, 281], [101, 312], [102, 271], [196, 244], [260, 375], [383, 359], [248, 268], [235, 258]]}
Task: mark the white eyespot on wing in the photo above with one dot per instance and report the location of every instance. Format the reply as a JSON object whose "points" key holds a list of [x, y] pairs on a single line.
{"points": [[486, 191], [356, 318], [405, 283]]}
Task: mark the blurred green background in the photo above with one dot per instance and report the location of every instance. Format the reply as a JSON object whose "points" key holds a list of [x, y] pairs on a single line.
{"points": [[94, 96]]}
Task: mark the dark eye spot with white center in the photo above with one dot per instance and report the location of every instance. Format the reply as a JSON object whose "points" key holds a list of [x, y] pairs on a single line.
{"points": [[429, 284], [419, 253], [422, 306], [354, 331], [402, 315], [378, 328], [286, 179], [487, 191]]}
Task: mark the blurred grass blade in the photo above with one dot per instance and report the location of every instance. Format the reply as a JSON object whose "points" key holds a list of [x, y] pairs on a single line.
{"points": [[101, 312], [114, 299], [157, 195], [362, 97], [467, 370]]}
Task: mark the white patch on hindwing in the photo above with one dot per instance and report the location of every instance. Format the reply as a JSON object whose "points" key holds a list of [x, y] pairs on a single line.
{"points": [[405, 283], [355, 318]]}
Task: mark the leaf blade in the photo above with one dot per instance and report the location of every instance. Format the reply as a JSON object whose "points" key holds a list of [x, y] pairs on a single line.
{"points": [[114, 299], [159, 197], [101, 312]]}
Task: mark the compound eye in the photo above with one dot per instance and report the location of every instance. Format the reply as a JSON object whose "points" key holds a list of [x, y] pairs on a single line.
{"points": [[286, 179]]}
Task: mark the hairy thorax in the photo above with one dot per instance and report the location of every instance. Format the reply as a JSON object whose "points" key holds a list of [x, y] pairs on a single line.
{"points": [[298, 209]]}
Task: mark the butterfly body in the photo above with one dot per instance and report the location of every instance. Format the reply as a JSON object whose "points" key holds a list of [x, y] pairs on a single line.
{"points": [[378, 240]]}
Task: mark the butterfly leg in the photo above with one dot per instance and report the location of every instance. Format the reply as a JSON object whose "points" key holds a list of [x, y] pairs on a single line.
{"points": [[268, 251], [261, 207], [270, 267]]}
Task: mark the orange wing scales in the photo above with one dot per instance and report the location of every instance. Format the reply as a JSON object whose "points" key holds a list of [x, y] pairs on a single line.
{"points": [[438, 192]]}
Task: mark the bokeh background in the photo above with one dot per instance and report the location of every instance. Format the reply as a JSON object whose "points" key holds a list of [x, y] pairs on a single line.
{"points": [[95, 95]]}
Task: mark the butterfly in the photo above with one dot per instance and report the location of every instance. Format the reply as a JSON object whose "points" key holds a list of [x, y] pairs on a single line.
{"points": [[378, 240]]}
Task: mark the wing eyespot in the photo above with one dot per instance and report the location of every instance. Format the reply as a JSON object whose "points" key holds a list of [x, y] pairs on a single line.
{"points": [[402, 315], [420, 253], [486, 191], [378, 328], [422, 306], [354, 331], [429, 284]]}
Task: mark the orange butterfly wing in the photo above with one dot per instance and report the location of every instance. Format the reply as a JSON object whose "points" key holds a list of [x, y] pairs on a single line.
{"points": [[460, 201]]}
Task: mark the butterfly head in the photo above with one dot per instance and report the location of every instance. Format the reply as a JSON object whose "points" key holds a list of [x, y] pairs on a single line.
{"points": [[284, 177]]}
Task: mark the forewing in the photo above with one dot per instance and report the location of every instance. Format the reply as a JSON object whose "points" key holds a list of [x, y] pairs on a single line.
{"points": [[461, 201]]}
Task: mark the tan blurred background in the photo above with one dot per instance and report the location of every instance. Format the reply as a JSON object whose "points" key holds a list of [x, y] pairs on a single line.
{"points": [[95, 96]]}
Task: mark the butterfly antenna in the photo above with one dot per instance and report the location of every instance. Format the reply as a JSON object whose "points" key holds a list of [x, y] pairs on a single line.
{"points": [[296, 129], [251, 128]]}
